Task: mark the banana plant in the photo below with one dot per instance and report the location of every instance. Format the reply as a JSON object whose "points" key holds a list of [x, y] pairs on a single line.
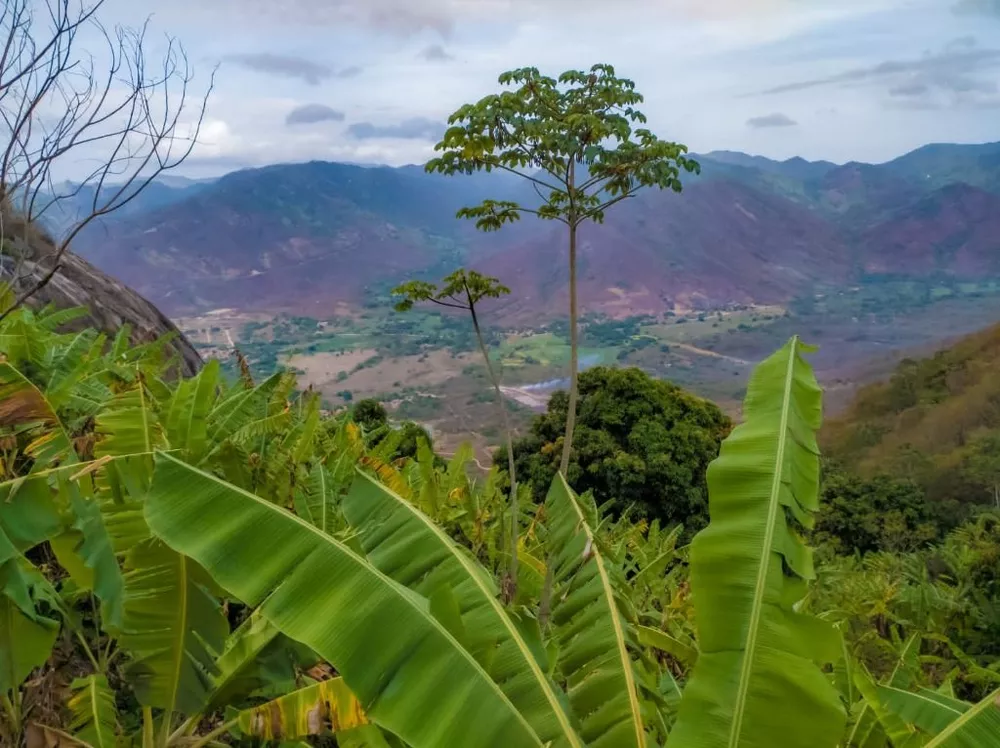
{"points": [[749, 569]]}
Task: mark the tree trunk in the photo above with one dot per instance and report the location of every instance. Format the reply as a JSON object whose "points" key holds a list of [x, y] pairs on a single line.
{"points": [[574, 354], [512, 587]]}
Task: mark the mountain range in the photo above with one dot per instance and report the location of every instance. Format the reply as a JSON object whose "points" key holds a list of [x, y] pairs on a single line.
{"points": [[749, 229]]}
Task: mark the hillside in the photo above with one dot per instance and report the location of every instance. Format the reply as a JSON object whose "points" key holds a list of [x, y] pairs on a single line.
{"points": [[109, 303], [714, 244], [749, 230], [936, 420]]}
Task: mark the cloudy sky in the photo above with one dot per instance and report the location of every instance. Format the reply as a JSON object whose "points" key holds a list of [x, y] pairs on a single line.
{"points": [[375, 80]]}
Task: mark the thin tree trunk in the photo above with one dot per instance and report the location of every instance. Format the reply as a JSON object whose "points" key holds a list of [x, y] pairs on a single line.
{"points": [[573, 356], [509, 594]]}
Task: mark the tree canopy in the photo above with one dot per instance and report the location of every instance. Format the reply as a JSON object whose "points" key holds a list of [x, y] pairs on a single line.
{"points": [[882, 513], [642, 442]]}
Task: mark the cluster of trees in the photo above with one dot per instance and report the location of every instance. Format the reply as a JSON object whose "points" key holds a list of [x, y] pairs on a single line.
{"points": [[642, 446]]}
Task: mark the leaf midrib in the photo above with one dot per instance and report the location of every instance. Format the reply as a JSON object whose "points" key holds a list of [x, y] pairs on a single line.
{"points": [[954, 727], [633, 700], [772, 513], [92, 687]]}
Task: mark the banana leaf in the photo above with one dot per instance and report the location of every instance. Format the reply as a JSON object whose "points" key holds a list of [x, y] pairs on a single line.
{"points": [[172, 626], [406, 545], [758, 681], [977, 727], [409, 674], [590, 631], [25, 643], [326, 707], [94, 719]]}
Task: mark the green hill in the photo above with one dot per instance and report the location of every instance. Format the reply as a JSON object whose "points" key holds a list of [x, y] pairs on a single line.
{"points": [[935, 421]]}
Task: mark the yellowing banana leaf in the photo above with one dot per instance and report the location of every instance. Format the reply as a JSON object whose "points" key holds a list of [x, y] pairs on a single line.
{"points": [[977, 727], [327, 707], [94, 719], [592, 637], [23, 404], [406, 545], [758, 681], [408, 673]]}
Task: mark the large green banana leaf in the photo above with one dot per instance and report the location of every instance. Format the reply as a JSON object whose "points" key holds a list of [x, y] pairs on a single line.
{"points": [[405, 544], [186, 415], [409, 674], [28, 516], [927, 710], [256, 656], [317, 500], [591, 634], [865, 728], [977, 727], [86, 551], [757, 682]]}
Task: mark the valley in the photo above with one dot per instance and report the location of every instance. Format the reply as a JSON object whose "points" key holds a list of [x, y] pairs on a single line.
{"points": [[425, 367], [293, 265]]}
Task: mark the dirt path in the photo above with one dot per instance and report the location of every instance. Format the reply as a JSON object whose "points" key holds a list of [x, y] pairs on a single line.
{"points": [[706, 352], [531, 399]]}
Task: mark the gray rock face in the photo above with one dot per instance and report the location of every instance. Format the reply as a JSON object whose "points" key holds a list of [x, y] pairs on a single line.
{"points": [[26, 254]]}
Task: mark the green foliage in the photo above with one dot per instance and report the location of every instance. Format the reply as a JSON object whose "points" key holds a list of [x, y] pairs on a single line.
{"points": [[369, 414], [279, 573], [642, 444], [749, 571], [581, 121], [462, 289], [934, 421], [875, 514]]}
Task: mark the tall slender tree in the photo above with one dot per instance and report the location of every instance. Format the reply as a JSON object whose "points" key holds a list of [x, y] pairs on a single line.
{"points": [[463, 289], [572, 138]]}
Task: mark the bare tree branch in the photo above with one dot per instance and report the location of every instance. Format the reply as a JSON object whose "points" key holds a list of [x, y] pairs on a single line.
{"points": [[61, 107]]}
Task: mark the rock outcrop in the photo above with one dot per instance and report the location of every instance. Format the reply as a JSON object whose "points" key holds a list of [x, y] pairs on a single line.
{"points": [[26, 254]]}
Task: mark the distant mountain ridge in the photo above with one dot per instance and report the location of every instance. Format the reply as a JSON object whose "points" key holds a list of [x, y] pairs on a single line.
{"points": [[749, 229]]}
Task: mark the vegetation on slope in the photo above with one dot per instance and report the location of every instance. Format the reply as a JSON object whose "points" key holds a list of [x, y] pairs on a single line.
{"points": [[935, 421], [211, 563]]}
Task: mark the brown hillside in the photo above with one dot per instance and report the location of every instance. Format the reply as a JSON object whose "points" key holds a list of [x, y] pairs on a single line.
{"points": [[716, 243], [928, 420], [954, 230]]}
